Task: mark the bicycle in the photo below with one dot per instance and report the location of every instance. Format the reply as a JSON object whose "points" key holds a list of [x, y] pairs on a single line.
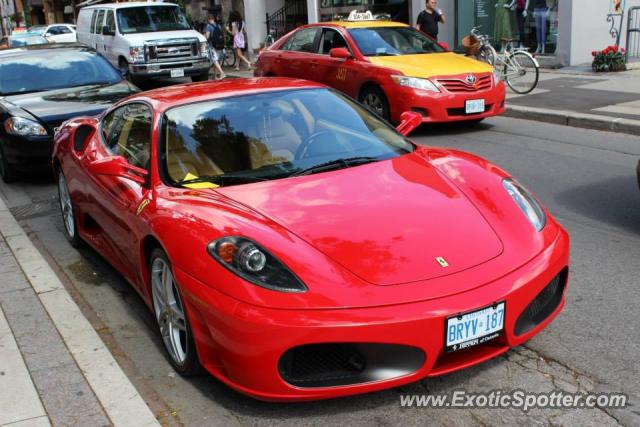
{"points": [[519, 69], [226, 55]]}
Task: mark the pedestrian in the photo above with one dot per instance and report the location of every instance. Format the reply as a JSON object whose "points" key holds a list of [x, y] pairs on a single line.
{"points": [[429, 18], [214, 36], [237, 30]]}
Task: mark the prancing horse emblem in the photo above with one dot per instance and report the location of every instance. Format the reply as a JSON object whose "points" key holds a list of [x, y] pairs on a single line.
{"points": [[470, 79], [443, 262]]}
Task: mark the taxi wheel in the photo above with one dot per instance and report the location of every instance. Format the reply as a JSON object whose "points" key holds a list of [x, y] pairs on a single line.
{"points": [[374, 98]]}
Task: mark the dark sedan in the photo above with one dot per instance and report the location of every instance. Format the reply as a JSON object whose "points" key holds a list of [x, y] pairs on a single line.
{"points": [[41, 87]]}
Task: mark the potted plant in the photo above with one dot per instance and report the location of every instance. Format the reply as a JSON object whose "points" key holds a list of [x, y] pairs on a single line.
{"points": [[610, 58]]}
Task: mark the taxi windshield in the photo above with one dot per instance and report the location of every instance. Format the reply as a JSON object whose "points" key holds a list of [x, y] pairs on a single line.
{"points": [[272, 135], [387, 41]]}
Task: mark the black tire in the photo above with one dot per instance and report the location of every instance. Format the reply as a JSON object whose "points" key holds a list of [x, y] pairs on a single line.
{"points": [[375, 100], [202, 77], [68, 213], [487, 54], [7, 170], [229, 59], [123, 66], [521, 72], [190, 366]]}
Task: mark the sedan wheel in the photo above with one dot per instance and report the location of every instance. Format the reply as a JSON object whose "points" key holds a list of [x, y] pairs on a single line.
{"points": [[7, 172], [170, 315], [68, 215]]}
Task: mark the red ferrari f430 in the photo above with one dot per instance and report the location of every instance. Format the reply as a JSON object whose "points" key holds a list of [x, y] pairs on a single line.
{"points": [[298, 247]]}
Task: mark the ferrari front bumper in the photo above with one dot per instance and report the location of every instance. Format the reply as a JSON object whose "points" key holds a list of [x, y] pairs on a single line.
{"points": [[243, 345]]}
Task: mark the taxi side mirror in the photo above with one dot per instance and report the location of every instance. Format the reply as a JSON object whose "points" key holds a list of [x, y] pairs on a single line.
{"points": [[409, 120], [340, 52]]}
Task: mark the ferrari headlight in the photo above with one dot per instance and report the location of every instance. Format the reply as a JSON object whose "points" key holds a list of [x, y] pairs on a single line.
{"points": [[253, 263], [23, 127], [527, 203], [416, 83], [136, 54], [204, 49]]}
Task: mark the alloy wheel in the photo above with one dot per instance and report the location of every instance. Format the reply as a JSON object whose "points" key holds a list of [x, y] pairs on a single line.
{"points": [[169, 311], [66, 207]]}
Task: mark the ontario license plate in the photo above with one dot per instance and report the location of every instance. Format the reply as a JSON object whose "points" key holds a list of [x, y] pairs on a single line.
{"points": [[477, 327], [178, 72], [474, 106]]}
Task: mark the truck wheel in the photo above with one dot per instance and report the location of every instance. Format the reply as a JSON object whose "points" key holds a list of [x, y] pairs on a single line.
{"points": [[202, 77]]}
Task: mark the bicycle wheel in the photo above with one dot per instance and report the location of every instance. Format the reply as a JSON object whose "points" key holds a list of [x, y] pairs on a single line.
{"points": [[229, 59], [521, 72], [487, 54]]}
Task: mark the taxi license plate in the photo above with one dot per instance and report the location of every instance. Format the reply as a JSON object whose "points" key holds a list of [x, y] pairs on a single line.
{"points": [[466, 330], [474, 106], [178, 72]]}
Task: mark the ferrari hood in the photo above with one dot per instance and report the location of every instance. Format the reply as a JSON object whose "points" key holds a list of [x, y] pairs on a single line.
{"points": [[390, 222], [431, 65]]}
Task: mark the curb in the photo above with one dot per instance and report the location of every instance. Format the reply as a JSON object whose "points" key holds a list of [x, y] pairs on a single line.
{"points": [[574, 119], [119, 398]]}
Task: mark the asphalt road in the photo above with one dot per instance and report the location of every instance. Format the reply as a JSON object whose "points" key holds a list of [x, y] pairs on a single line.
{"points": [[587, 180]]}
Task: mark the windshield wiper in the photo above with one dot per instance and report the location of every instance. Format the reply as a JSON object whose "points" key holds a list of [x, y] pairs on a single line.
{"points": [[226, 179], [335, 164]]}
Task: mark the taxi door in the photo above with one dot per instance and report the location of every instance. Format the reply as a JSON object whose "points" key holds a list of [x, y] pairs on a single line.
{"points": [[298, 57], [338, 73]]}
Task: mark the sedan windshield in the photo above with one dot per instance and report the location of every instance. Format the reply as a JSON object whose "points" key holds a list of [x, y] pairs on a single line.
{"points": [[273, 135], [385, 41], [47, 69], [147, 19]]}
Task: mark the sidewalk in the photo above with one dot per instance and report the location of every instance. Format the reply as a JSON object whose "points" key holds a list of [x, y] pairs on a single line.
{"points": [[576, 96], [54, 368]]}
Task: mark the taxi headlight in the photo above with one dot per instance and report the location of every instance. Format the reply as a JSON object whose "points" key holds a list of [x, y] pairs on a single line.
{"points": [[497, 76], [416, 83]]}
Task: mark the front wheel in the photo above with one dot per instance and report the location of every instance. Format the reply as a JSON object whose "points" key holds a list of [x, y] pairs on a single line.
{"points": [[68, 213], [229, 59], [202, 77], [171, 316], [487, 54], [7, 170], [374, 98], [521, 72]]}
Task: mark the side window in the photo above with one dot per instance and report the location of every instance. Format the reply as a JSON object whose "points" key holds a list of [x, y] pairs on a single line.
{"points": [[127, 132], [93, 22], [331, 39], [303, 40], [63, 30], [111, 23], [99, 20]]}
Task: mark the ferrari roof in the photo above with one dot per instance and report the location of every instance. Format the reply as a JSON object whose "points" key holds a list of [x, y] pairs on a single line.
{"points": [[195, 92]]}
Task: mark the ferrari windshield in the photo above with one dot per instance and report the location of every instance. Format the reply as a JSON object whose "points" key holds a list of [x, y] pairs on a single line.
{"points": [[273, 135], [385, 41], [147, 19]]}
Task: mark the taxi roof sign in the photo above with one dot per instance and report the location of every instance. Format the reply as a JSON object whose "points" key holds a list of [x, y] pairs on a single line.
{"points": [[354, 15]]}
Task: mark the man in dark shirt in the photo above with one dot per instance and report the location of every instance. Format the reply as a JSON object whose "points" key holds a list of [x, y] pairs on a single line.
{"points": [[428, 19]]}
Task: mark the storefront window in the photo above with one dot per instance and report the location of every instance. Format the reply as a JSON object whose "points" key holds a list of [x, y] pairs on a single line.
{"points": [[395, 10], [504, 21]]}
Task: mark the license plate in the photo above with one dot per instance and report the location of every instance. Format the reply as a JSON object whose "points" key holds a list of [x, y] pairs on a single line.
{"points": [[179, 72], [466, 330], [474, 106]]}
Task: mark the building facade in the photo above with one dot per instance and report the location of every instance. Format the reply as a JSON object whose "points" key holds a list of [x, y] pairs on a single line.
{"points": [[571, 28]]}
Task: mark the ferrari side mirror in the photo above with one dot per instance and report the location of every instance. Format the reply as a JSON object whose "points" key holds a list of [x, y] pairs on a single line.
{"points": [[120, 167], [409, 120]]}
